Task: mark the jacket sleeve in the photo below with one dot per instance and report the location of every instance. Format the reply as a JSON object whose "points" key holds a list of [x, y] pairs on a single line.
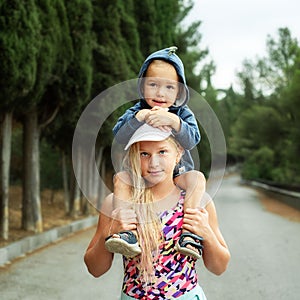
{"points": [[126, 125], [189, 134]]}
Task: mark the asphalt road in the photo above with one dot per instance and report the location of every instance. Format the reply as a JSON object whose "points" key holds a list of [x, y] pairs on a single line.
{"points": [[265, 260]]}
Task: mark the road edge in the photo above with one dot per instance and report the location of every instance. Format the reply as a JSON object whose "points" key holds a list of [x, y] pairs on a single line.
{"points": [[31, 243]]}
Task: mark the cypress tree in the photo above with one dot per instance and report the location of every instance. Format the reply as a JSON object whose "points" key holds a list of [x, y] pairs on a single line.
{"points": [[74, 90], [19, 43], [145, 16], [54, 54], [109, 58], [130, 37]]}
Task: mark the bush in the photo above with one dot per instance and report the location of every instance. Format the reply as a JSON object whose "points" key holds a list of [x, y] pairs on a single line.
{"points": [[259, 165]]}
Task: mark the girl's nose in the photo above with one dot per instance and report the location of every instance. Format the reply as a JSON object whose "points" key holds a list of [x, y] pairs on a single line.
{"points": [[154, 161]]}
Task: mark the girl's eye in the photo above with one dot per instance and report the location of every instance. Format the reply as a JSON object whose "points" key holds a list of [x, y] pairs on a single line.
{"points": [[144, 154], [162, 152]]}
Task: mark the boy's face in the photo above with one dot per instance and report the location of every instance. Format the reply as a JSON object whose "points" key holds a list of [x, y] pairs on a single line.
{"points": [[161, 85]]}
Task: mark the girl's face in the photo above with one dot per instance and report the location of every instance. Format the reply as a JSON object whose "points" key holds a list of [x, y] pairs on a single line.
{"points": [[158, 160], [161, 85]]}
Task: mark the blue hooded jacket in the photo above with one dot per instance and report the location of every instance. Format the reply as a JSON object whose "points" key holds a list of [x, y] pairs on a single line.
{"points": [[188, 136]]}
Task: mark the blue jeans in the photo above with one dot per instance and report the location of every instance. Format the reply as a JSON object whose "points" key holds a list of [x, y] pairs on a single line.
{"points": [[195, 294]]}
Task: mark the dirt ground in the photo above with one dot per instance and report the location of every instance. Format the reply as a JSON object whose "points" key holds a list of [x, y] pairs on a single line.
{"points": [[53, 212], [273, 204]]}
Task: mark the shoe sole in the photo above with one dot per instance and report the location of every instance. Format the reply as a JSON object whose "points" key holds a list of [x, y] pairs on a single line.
{"points": [[187, 251], [117, 245]]}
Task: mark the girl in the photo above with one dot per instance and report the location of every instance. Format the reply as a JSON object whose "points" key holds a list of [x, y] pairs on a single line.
{"points": [[159, 272]]}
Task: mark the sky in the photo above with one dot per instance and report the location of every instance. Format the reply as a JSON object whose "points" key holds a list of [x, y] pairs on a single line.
{"points": [[234, 30]]}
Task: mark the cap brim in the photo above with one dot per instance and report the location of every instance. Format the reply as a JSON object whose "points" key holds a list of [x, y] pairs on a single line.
{"points": [[147, 133]]}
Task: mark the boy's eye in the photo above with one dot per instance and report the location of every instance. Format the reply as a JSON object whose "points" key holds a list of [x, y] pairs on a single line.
{"points": [[171, 87], [152, 84]]}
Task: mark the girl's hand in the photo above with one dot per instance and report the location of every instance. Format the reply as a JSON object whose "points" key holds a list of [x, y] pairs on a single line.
{"points": [[123, 219], [196, 220]]}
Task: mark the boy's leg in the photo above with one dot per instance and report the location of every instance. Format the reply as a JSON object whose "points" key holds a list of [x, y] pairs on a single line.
{"points": [[122, 190], [124, 242], [194, 183]]}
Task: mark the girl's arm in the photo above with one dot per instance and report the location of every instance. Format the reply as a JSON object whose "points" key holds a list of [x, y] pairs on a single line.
{"points": [[204, 222], [97, 259]]}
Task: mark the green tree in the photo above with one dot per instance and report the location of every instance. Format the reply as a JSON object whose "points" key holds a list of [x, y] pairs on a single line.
{"points": [[131, 40], [54, 54], [188, 41], [167, 22], [247, 82], [72, 93], [145, 15], [19, 43], [228, 111], [282, 55], [289, 107], [254, 129], [266, 75], [115, 57], [268, 126], [259, 164]]}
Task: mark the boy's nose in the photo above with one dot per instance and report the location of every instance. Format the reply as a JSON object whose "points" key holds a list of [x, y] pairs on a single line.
{"points": [[160, 92]]}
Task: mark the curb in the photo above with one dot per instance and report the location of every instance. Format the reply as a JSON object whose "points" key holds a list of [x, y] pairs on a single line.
{"points": [[34, 242], [288, 197], [273, 189]]}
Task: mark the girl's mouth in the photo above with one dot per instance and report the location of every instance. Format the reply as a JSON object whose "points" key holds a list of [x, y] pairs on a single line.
{"points": [[155, 173]]}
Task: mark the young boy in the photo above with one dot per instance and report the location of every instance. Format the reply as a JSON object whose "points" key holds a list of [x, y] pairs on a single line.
{"points": [[163, 98]]}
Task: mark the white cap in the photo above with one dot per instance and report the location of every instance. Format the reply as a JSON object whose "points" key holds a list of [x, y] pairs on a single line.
{"points": [[147, 133]]}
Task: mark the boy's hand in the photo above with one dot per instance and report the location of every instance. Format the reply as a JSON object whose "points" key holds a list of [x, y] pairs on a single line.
{"points": [[141, 115], [160, 118]]}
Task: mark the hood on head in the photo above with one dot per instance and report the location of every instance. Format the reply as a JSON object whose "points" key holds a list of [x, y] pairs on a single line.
{"points": [[168, 55]]}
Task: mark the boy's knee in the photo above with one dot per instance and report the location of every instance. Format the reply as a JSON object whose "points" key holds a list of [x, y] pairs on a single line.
{"points": [[195, 175], [121, 179]]}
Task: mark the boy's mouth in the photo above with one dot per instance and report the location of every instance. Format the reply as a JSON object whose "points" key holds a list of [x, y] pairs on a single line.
{"points": [[159, 102]]}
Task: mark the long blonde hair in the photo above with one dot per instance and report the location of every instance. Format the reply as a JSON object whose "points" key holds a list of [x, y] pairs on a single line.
{"points": [[149, 225]]}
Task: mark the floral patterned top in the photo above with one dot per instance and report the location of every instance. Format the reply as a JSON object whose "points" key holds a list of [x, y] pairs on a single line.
{"points": [[175, 273]]}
